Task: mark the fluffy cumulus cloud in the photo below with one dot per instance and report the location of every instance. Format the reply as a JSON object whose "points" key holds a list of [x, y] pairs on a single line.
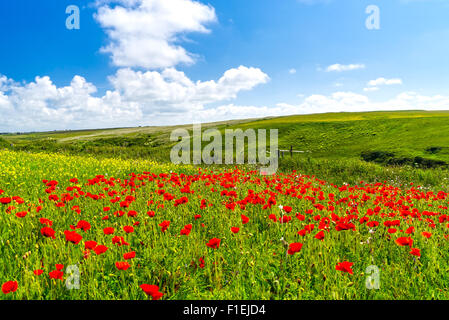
{"points": [[41, 105], [146, 33], [168, 97], [384, 82], [344, 67], [144, 42], [172, 92], [335, 102], [351, 102], [144, 39], [137, 98], [374, 85]]}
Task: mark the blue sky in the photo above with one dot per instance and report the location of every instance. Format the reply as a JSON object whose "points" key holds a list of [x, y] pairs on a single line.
{"points": [[122, 69]]}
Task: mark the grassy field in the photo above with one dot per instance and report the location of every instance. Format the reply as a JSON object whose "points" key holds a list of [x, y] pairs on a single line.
{"points": [[340, 147], [328, 136], [293, 233], [328, 225]]}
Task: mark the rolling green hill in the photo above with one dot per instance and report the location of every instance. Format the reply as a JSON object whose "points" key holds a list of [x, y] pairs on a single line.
{"points": [[347, 135], [401, 139]]}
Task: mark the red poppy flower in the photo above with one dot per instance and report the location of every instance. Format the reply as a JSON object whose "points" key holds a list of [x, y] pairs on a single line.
{"points": [[120, 241], [285, 219], [132, 213], [83, 225], [235, 229], [415, 252], [48, 232], [372, 224], [128, 229], [5, 200], [319, 235], [21, 214], [122, 265], [108, 230], [164, 225], [46, 221], [294, 248], [100, 249], [56, 274], [213, 243], [404, 241], [38, 272], [119, 213], [202, 263], [345, 266], [59, 266], [287, 209], [129, 255], [157, 295], [186, 230], [72, 236], [9, 286], [341, 226], [245, 219], [151, 214], [152, 290], [426, 234], [90, 244], [410, 230]]}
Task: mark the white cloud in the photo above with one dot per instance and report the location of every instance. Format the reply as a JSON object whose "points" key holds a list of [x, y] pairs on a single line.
{"points": [[292, 71], [142, 34], [354, 102], [167, 98], [384, 82], [342, 67], [170, 91], [370, 89], [335, 102], [41, 105], [146, 33], [137, 98]]}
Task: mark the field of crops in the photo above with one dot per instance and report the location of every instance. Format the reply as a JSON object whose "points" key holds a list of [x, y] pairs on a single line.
{"points": [[137, 229]]}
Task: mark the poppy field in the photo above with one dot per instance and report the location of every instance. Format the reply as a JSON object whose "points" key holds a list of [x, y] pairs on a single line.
{"points": [[138, 229]]}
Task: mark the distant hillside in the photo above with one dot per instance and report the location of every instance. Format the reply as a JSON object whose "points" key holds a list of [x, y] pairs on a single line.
{"points": [[394, 138]]}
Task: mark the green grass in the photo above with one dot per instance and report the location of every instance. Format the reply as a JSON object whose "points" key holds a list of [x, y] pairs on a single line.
{"points": [[334, 143], [329, 136], [251, 264]]}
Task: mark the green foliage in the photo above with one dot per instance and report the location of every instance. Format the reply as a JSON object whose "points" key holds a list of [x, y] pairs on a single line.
{"points": [[4, 143], [407, 139], [388, 158]]}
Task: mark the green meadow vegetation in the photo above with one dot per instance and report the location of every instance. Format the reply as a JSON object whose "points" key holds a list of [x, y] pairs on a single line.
{"points": [[368, 193], [398, 146]]}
